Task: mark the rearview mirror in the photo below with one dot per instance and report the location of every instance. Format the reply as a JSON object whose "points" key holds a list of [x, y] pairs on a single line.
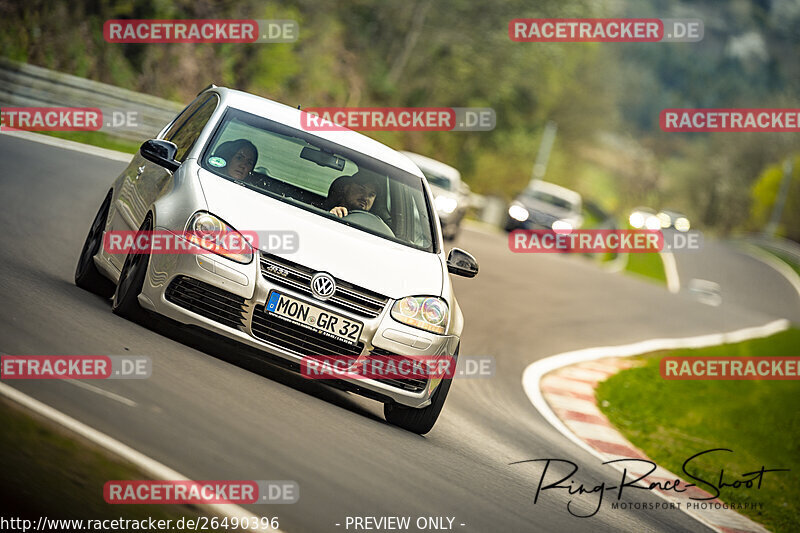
{"points": [[323, 159], [462, 263], [161, 153]]}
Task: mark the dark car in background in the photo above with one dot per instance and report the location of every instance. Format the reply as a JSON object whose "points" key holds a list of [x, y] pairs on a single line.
{"points": [[545, 205]]}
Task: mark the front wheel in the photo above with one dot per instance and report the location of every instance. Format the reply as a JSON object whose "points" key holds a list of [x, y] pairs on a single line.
{"points": [[131, 280], [419, 420], [87, 275]]}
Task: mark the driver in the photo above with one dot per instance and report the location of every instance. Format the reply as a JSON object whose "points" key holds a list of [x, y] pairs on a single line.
{"points": [[358, 192], [240, 157]]}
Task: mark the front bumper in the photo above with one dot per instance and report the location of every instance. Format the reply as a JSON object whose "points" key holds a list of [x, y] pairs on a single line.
{"points": [[226, 298]]}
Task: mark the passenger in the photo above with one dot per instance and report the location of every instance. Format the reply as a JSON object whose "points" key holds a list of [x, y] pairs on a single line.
{"points": [[240, 157], [348, 193]]}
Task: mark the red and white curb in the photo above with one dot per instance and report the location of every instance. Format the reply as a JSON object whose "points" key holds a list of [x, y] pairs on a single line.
{"points": [[562, 388]]}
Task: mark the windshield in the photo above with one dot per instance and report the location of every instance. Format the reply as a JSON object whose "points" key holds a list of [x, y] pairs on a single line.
{"points": [[299, 168], [549, 199]]}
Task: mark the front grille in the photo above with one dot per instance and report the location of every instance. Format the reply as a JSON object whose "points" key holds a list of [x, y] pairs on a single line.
{"points": [[296, 338], [347, 296], [206, 300], [411, 384]]}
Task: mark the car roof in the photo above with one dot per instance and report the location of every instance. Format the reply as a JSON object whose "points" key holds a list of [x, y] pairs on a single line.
{"points": [[434, 166], [555, 190], [290, 116]]}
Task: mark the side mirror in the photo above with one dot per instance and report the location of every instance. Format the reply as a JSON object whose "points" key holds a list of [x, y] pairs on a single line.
{"points": [[161, 153], [462, 263]]}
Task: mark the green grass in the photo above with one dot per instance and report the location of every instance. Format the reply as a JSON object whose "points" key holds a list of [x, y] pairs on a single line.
{"points": [[759, 420], [648, 265], [47, 472], [97, 138]]}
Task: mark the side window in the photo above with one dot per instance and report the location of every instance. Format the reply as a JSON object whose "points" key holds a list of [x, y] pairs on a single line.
{"points": [[187, 112], [184, 133]]}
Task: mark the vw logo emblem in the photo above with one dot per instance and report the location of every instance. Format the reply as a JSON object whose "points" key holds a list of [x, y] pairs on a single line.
{"points": [[323, 285]]}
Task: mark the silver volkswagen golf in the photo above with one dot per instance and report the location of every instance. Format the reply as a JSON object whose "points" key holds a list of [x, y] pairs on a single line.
{"points": [[367, 276]]}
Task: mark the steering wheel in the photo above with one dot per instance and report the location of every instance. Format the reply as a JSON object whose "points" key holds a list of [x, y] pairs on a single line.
{"points": [[368, 220], [361, 211]]}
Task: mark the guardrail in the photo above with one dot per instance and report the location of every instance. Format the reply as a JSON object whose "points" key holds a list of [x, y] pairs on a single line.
{"points": [[23, 85]]}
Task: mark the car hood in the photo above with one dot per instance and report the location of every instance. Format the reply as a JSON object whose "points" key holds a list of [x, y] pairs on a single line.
{"points": [[352, 255]]}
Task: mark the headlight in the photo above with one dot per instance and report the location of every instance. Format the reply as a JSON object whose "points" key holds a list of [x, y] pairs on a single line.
{"points": [[682, 224], [210, 233], [665, 220], [517, 212], [561, 226], [652, 222], [636, 220], [445, 204], [423, 312]]}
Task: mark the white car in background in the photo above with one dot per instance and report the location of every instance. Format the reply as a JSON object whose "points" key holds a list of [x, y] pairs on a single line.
{"points": [[451, 194]]}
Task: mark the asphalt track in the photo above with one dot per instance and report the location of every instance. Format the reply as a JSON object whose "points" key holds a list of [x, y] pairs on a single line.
{"points": [[214, 411]]}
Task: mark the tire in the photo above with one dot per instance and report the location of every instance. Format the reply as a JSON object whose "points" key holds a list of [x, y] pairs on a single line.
{"points": [[87, 276], [131, 281], [419, 420]]}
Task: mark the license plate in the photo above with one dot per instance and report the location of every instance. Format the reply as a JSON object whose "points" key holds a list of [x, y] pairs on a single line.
{"points": [[314, 318]]}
